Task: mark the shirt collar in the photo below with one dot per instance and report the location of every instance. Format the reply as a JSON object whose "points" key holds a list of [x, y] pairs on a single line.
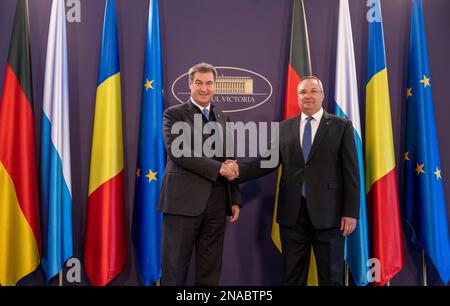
{"points": [[201, 107], [317, 116]]}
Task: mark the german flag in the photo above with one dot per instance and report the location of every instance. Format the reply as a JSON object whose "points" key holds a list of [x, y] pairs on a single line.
{"points": [[299, 65], [20, 238], [105, 252], [299, 59]]}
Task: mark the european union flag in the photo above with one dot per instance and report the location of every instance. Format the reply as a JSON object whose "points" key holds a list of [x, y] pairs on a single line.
{"points": [[424, 205], [147, 222]]}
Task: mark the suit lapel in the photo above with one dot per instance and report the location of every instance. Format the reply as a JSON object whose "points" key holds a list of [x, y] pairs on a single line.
{"points": [[192, 109], [295, 132], [220, 118], [321, 132]]}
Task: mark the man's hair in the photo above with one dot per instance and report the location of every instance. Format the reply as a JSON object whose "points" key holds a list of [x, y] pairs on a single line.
{"points": [[202, 68], [311, 77]]}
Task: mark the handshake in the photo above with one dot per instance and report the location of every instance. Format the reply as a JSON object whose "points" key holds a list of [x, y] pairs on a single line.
{"points": [[229, 169]]}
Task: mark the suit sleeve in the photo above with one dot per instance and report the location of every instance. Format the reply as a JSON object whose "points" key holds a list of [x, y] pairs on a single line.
{"points": [[202, 166], [235, 193], [350, 171], [254, 168]]}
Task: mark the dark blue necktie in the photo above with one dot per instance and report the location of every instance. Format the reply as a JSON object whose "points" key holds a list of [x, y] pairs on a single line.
{"points": [[306, 147], [206, 114], [307, 138]]}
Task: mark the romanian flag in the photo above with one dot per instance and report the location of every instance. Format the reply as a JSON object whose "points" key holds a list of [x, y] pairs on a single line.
{"points": [[105, 250], [347, 106], [147, 222], [299, 65], [56, 181], [381, 175], [424, 205], [20, 233]]}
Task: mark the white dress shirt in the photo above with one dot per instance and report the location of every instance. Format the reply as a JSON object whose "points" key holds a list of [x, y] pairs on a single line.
{"points": [[314, 125], [201, 107]]}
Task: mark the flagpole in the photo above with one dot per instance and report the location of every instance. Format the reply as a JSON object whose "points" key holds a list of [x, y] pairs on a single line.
{"points": [[60, 279], [158, 282], [424, 270], [346, 274]]}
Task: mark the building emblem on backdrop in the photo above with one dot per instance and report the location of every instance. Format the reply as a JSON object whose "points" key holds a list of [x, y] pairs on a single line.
{"points": [[237, 89]]}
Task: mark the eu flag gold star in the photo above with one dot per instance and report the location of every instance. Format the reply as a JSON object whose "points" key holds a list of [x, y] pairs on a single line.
{"points": [[138, 172], [438, 173], [425, 81], [409, 92], [419, 168], [151, 176], [406, 156], [148, 84]]}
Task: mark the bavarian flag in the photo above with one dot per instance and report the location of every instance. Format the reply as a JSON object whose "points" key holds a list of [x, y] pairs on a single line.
{"points": [[347, 106], [299, 65], [56, 179], [105, 250], [424, 204], [20, 233], [381, 174]]}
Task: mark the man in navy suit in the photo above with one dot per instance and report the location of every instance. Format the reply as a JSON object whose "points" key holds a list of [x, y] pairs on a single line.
{"points": [[196, 194], [318, 200]]}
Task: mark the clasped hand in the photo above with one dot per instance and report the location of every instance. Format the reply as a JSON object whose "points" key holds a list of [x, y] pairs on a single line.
{"points": [[229, 169]]}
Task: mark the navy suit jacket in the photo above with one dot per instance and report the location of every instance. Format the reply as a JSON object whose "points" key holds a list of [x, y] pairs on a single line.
{"points": [[187, 181], [331, 173]]}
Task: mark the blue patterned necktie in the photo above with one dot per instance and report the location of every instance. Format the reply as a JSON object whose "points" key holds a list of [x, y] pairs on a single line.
{"points": [[306, 147], [206, 114]]}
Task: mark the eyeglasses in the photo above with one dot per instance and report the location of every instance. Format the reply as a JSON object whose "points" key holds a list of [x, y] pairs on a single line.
{"points": [[313, 92]]}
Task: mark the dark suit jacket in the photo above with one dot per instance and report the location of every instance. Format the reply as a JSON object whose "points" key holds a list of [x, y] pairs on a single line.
{"points": [[188, 181], [331, 173]]}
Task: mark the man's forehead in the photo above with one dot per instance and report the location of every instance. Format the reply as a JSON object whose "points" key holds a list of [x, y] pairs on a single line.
{"points": [[203, 76], [309, 83]]}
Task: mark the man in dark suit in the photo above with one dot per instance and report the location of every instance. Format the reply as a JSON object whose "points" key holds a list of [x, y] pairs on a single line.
{"points": [[318, 200], [196, 194]]}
